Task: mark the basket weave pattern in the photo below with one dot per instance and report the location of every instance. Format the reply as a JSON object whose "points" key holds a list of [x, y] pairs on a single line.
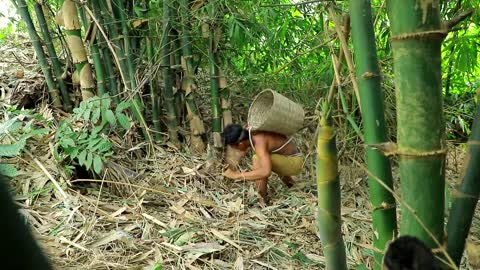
{"points": [[270, 111]]}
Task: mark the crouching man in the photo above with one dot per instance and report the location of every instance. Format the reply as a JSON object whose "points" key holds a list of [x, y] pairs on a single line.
{"points": [[272, 152]]}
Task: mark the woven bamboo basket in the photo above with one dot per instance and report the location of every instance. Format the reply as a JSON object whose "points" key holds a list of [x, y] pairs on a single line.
{"points": [[273, 112]]}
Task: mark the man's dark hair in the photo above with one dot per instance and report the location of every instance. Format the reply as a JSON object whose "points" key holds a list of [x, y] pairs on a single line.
{"points": [[234, 133], [409, 253]]}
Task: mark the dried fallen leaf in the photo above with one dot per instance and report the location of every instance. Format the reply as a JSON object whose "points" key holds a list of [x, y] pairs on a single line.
{"points": [[224, 238], [238, 265], [112, 237], [473, 253], [203, 248]]}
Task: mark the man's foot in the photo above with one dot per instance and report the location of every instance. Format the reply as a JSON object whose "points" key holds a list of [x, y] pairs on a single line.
{"points": [[287, 180], [262, 201]]}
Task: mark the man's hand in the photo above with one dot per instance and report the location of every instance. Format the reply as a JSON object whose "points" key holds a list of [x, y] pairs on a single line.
{"points": [[231, 174]]}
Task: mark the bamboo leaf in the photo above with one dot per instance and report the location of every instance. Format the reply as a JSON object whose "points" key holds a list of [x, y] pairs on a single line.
{"points": [[10, 150], [102, 146], [4, 127], [123, 120], [122, 106], [96, 115], [97, 130], [8, 170], [86, 114], [89, 161], [71, 151], [110, 117], [66, 142], [81, 157], [106, 102], [97, 164], [94, 142]]}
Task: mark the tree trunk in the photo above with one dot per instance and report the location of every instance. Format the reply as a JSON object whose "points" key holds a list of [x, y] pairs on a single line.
{"points": [[153, 83], [111, 77], [466, 196], [371, 98], [42, 60], [416, 42], [97, 58], [214, 87], [57, 67], [115, 37], [137, 105], [67, 17], [224, 94], [197, 128], [169, 98]]}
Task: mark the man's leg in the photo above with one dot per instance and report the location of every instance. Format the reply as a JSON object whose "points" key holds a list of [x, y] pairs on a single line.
{"points": [[261, 184], [286, 167]]}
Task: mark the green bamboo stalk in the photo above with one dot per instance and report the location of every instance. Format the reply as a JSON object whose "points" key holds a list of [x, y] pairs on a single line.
{"points": [[227, 117], [57, 67], [214, 87], [466, 196], [137, 108], [119, 12], [171, 117], [371, 98], [197, 127], [42, 60], [329, 199], [176, 64], [114, 37], [111, 78], [97, 58], [142, 12], [153, 85], [416, 42]]}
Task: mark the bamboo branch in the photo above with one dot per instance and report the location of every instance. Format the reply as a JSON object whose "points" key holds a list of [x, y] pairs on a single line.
{"points": [[457, 19], [296, 4], [346, 51]]}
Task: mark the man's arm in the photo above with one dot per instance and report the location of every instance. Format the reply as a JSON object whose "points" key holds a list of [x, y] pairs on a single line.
{"points": [[264, 168]]}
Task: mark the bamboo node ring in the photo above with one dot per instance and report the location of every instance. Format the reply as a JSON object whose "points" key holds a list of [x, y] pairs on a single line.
{"points": [[442, 33]]}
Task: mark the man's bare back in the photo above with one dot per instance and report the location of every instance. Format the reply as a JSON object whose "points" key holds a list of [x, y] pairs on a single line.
{"points": [[273, 153], [275, 141]]}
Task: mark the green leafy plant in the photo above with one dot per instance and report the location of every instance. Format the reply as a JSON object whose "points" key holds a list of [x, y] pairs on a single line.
{"points": [[21, 125], [83, 137]]}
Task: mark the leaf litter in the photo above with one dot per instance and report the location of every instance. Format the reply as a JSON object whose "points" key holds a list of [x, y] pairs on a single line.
{"points": [[175, 210]]}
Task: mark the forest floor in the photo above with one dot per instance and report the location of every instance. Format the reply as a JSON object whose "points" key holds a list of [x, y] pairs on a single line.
{"points": [[176, 211]]}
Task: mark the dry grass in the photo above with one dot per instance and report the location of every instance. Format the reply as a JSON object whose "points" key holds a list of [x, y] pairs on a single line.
{"points": [[175, 210], [182, 214]]}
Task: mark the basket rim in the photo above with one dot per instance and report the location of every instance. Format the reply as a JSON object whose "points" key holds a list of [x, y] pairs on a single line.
{"points": [[255, 100]]}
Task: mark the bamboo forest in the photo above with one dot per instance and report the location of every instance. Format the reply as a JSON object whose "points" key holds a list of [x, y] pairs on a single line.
{"points": [[240, 134]]}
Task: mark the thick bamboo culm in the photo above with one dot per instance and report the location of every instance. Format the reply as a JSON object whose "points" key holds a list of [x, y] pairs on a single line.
{"points": [[95, 53], [197, 128], [57, 67], [416, 45], [67, 17], [371, 97], [169, 99]]}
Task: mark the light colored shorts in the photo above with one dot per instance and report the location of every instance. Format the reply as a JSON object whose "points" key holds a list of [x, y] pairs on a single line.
{"points": [[285, 165]]}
